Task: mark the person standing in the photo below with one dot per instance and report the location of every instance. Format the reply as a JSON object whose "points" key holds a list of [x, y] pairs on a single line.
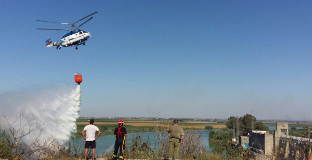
{"points": [[120, 134], [176, 135], [90, 137]]}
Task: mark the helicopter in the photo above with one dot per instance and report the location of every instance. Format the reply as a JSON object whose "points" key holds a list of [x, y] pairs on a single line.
{"points": [[74, 37]]}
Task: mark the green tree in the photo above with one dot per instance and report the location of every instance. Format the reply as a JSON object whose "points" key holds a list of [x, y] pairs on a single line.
{"points": [[247, 124], [260, 126], [231, 122]]}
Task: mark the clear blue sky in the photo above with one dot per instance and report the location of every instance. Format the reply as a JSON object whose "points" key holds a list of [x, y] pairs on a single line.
{"points": [[177, 58]]}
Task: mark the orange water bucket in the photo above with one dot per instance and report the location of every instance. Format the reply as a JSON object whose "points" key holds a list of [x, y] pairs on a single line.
{"points": [[78, 78]]}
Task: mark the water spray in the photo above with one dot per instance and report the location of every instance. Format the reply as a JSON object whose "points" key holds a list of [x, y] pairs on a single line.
{"points": [[54, 110]]}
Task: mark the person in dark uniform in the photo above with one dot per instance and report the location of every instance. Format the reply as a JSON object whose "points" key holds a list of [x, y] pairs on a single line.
{"points": [[120, 134]]}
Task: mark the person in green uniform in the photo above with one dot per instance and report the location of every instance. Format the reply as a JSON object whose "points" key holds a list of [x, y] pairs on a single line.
{"points": [[176, 136]]}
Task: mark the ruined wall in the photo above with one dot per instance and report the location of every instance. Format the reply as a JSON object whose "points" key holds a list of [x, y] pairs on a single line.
{"points": [[268, 144], [281, 129], [292, 149]]}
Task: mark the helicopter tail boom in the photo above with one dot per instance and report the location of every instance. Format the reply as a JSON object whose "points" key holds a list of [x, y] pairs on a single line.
{"points": [[49, 43]]}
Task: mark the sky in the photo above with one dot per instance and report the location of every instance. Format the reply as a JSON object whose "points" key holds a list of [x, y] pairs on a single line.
{"points": [[168, 59]]}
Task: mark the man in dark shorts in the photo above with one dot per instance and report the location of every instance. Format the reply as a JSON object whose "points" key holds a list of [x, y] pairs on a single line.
{"points": [[90, 137], [120, 134]]}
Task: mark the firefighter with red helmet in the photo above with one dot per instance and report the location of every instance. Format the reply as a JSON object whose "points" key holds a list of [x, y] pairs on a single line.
{"points": [[120, 134]]}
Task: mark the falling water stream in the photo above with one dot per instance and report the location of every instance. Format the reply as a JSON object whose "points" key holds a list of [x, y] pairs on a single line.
{"points": [[48, 113]]}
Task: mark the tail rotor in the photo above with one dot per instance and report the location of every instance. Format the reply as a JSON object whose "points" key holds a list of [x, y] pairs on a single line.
{"points": [[49, 43]]}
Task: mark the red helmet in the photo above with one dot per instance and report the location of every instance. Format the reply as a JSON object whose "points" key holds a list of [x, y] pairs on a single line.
{"points": [[120, 122]]}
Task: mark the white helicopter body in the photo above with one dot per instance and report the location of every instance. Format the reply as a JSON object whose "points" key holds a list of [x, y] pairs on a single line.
{"points": [[75, 37]]}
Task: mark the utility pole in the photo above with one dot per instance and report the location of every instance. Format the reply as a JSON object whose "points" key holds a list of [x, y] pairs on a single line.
{"points": [[234, 134], [252, 124], [237, 127], [309, 133]]}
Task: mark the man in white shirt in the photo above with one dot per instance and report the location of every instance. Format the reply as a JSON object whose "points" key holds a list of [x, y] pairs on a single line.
{"points": [[90, 137]]}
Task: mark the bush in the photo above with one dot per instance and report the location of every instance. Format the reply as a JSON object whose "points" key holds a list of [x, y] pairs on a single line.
{"points": [[192, 147], [141, 148], [222, 143], [104, 128], [5, 151], [209, 127]]}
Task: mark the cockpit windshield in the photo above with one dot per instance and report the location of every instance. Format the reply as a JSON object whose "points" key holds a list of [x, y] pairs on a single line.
{"points": [[71, 32]]}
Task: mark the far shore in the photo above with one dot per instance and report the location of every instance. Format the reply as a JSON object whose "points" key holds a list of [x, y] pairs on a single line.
{"points": [[197, 125], [107, 126]]}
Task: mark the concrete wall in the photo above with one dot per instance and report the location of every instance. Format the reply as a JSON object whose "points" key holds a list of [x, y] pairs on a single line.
{"points": [[268, 144], [261, 142], [281, 129]]}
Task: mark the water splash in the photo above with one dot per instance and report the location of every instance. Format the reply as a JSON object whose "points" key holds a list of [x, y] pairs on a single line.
{"points": [[51, 113]]}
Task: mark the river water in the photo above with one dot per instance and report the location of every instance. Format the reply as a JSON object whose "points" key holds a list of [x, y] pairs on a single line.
{"points": [[105, 143], [272, 127]]}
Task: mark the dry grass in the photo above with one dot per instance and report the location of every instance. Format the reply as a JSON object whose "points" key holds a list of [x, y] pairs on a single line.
{"points": [[198, 122], [219, 126]]}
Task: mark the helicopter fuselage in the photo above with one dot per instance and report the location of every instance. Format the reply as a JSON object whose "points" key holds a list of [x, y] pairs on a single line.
{"points": [[74, 38]]}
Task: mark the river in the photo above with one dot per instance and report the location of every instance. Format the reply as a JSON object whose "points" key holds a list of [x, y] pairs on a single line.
{"points": [[105, 143], [272, 127]]}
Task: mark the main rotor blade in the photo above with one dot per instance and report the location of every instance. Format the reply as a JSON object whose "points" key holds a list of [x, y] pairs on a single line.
{"points": [[53, 22], [53, 29], [85, 17], [85, 22]]}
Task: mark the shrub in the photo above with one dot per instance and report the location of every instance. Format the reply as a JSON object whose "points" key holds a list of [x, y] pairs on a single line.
{"points": [[5, 151], [192, 147], [222, 143], [140, 147], [209, 127]]}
